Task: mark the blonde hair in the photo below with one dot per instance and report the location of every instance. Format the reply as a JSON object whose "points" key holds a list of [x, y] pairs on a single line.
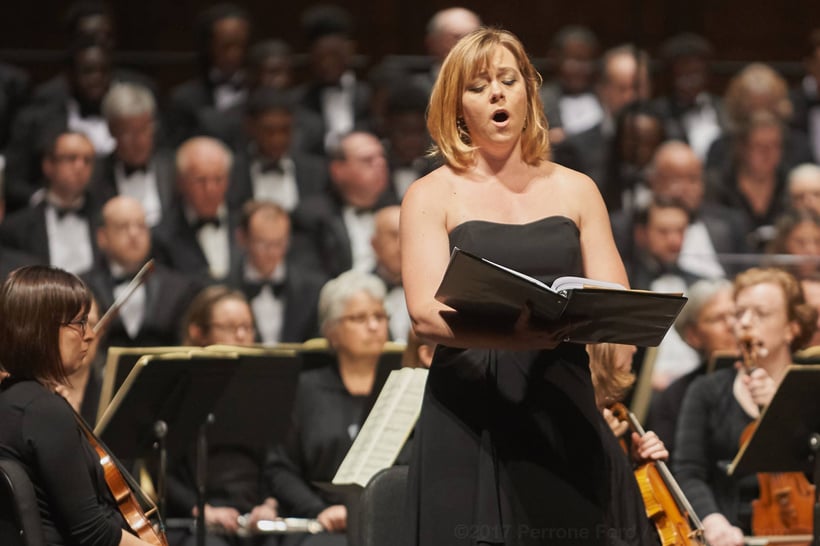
{"points": [[754, 81], [609, 383], [469, 56]]}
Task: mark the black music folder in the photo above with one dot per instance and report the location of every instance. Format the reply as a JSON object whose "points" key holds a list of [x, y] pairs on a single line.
{"points": [[781, 441], [492, 295]]}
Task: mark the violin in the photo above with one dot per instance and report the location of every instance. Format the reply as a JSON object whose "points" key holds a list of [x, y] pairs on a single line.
{"points": [[786, 502], [666, 505], [130, 498], [127, 493]]}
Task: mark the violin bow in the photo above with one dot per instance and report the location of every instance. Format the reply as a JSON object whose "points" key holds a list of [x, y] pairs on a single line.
{"points": [[135, 283]]}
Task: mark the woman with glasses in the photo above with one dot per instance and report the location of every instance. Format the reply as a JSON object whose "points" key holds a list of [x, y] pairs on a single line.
{"points": [[330, 400], [772, 314], [44, 339], [219, 316]]}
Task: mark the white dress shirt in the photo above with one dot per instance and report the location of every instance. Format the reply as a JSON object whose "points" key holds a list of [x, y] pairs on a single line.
{"points": [[268, 310], [337, 109], [69, 241], [142, 186], [360, 227], [214, 242], [94, 127], [132, 312], [279, 187]]}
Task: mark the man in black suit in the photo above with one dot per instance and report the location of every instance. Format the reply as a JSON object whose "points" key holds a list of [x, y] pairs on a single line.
{"points": [[624, 79], [223, 33], [332, 230], [197, 237], [677, 172], [267, 167], [283, 295], [136, 167], [152, 316], [59, 229], [89, 80], [334, 102]]}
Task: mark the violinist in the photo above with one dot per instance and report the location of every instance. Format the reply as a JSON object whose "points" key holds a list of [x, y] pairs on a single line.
{"points": [[773, 316], [44, 337], [612, 377]]}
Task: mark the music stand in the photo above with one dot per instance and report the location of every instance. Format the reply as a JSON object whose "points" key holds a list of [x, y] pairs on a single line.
{"points": [[791, 422]]}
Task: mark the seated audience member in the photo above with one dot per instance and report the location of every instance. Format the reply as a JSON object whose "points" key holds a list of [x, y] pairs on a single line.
{"points": [[706, 324], [59, 229], [444, 29], [152, 316], [267, 168], [653, 265], [197, 237], [806, 96], [220, 316], [677, 173], [658, 230], [282, 295], [270, 67], [333, 102], [405, 136], [772, 314], [335, 227], [797, 236], [136, 167], [624, 79], [222, 33], [89, 79], [388, 268], [755, 184], [569, 101], [756, 87], [89, 21], [331, 400], [638, 133], [690, 112], [804, 187]]}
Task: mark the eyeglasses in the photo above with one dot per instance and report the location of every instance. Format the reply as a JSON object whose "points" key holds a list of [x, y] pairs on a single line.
{"points": [[81, 323], [238, 329], [364, 318]]}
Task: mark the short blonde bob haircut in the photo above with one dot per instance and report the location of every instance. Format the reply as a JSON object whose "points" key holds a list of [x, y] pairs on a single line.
{"points": [[469, 57]]}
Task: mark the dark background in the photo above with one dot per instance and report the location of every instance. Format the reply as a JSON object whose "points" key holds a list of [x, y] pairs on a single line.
{"points": [[157, 35]]}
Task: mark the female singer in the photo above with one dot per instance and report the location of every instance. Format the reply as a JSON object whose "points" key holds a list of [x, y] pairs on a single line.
{"points": [[44, 337], [772, 312], [508, 447]]}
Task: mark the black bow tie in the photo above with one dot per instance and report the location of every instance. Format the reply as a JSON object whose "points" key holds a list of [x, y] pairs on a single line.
{"points": [[131, 171], [63, 211], [271, 166], [202, 222], [122, 279], [361, 211], [253, 288]]}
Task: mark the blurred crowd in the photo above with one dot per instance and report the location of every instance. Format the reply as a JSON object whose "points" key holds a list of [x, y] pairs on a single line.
{"points": [[259, 188]]}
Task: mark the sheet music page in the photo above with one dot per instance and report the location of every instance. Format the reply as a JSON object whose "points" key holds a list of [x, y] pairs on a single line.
{"points": [[386, 429]]}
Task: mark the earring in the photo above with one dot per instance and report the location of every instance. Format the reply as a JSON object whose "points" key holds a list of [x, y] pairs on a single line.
{"points": [[463, 133]]}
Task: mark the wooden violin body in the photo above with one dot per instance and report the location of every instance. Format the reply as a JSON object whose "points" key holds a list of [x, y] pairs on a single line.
{"points": [[786, 502], [667, 507], [124, 494]]}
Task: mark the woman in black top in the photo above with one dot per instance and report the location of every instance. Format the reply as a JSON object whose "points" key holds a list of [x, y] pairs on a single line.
{"points": [[44, 337], [772, 312]]}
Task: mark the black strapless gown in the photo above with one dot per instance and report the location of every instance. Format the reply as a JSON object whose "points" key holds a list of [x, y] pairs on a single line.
{"points": [[510, 447]]}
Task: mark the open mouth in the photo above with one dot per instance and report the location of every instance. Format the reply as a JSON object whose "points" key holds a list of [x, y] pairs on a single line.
{"points": [[501, 116]]}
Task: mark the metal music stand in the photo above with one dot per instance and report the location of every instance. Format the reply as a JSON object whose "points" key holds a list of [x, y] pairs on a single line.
{"points": [[787, 438]]}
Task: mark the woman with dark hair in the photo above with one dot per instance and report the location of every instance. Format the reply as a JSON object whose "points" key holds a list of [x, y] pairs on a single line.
{"points": [[44, 338], [772, 313], [219, 315]]}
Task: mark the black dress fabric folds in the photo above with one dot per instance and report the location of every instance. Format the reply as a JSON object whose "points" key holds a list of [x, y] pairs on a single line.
{"points": [[510, 448]]}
